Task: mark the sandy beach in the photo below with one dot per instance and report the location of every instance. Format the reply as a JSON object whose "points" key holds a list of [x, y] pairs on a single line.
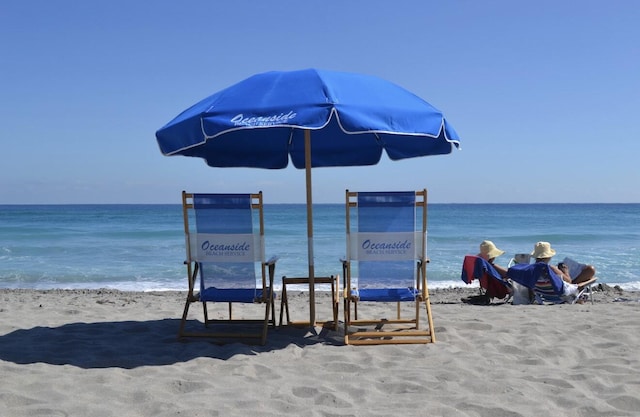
{"points": [[112, 353]]}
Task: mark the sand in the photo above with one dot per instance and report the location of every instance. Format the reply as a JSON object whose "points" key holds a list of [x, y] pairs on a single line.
{"points": [[112, 353]]}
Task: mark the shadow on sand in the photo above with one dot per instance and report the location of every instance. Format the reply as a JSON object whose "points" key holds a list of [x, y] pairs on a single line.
{"points": [[131, 344]]}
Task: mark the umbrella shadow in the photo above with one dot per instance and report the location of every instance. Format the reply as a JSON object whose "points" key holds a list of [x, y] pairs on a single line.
{"points": [[132, 344]]}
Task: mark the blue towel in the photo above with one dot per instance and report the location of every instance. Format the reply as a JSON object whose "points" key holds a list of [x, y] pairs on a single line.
{"points": [[532, 275], [474, 267]]}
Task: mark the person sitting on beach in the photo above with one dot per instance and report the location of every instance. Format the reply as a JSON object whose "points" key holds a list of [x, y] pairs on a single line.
{"points": [[489, 287], [489, 252], [542, 252]]}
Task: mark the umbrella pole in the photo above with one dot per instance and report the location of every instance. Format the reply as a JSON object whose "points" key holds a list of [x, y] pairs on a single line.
{"points": [[307, 164]]}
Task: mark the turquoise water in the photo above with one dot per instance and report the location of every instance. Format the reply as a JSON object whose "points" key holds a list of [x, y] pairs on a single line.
{"points": [[141, 247]]}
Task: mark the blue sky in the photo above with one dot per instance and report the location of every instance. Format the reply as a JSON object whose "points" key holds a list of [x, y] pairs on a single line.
{"points": [[545, 95]]}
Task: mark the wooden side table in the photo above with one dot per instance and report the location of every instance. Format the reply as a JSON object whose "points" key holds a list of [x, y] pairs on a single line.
{"points": [[284, 305]]}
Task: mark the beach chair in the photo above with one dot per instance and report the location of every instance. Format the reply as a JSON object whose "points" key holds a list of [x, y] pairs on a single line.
{"points": [[225, 250], [386, 263], [585, 290], [546, 284], [520, 258], [492, 285]]}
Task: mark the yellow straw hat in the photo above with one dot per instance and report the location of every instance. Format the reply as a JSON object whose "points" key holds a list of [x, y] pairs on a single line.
{"points": [[488, 249], [542, 250]]}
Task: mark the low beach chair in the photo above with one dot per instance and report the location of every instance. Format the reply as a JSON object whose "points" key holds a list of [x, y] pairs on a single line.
{"points": [[386, 263], [520, 258], [492, 285], [546, 284], [225, 250]]}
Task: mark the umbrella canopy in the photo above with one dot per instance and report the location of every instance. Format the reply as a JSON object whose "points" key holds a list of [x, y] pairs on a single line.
{"points": [[313, 117]]}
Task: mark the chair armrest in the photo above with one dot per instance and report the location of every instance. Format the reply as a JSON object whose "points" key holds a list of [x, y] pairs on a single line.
{"points": [[272, 260], [585, 284]]}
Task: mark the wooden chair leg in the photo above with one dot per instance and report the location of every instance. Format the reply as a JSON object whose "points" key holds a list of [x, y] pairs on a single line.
{"points": [[347, 318], [187, 304], [430, 320], [336, 301], [205, 312], [273, 310], [284, 303], [268, 310]]}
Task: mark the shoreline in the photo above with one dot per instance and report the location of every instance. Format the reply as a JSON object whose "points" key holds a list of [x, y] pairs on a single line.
{"points": [[602, 292]]}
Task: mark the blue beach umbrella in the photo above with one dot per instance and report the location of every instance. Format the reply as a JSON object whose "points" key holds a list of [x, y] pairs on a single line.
{"points": [[314, 117]]}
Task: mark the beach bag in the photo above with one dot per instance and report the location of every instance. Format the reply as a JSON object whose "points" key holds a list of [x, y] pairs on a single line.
{"points": [[521, 294]]}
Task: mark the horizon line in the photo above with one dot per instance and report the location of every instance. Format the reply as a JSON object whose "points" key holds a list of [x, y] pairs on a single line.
{"points": [[315, 204]]}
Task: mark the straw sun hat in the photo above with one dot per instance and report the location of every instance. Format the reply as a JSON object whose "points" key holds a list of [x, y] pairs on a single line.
{"points": [[542, 250], [488, 249]]}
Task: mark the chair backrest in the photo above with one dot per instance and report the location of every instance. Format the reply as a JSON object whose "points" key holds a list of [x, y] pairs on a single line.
{"points": [[474, 267], [225, 238], [386, 236], [520, 258]]}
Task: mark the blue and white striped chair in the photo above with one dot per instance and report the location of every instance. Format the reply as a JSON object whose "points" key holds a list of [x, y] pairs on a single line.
{"points": [[546, 284], [225, 253], [386, 262]]}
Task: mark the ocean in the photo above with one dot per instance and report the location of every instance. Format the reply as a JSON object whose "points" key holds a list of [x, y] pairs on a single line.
{"points": [[141, 247]]}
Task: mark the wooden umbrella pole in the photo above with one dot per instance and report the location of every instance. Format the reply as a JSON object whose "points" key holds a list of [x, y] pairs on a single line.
{"points": [[307, 164]]}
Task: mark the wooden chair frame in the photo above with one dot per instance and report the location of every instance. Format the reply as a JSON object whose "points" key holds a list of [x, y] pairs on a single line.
{"points": [[335, 300], [388, 331], [251, 328]]}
